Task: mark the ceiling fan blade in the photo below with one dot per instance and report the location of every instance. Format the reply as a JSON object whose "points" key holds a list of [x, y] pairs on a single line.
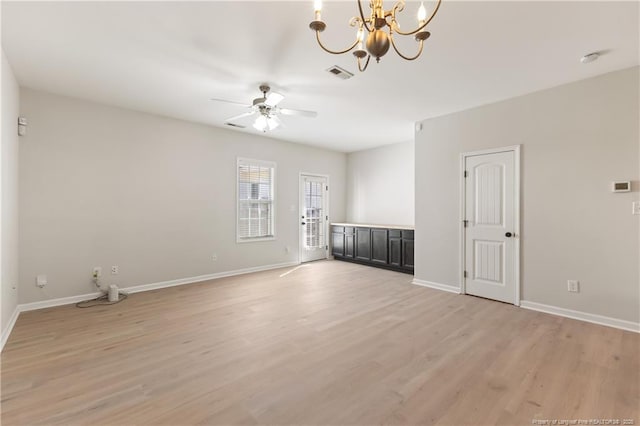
{"points": [[230, 102], [298, 112], [238, 117], [273, 99]]}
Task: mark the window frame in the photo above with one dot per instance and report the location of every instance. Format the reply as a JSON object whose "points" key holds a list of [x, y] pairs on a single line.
{"points": [[260, 163]]}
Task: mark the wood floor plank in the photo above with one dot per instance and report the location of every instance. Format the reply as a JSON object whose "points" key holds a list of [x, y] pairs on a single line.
{"points": [[323, 343]]}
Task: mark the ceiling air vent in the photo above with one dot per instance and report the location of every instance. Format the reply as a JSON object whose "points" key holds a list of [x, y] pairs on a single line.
{"points": [[239, 126], [340, 72]]}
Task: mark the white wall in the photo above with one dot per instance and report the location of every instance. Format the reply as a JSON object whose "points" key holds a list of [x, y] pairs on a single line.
{"points": [[380, 185], [576, 139], [9, 210], [102, 186]]}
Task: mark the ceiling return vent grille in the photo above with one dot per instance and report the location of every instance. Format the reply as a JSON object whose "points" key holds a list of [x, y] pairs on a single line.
{"points": [[340, 72]]}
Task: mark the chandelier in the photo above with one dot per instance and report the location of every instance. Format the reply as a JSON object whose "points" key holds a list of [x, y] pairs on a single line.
{"points": [[380, 26]]}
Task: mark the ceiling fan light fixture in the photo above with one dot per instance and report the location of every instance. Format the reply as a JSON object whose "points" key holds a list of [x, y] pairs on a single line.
{"points": [[380, 26], [261, 123], [266, 111]]}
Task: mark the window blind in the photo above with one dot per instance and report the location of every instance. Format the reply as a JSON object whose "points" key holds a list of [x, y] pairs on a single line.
{"points": [[255, 199]]}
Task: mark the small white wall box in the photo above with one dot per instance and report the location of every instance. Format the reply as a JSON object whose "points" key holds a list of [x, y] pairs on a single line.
{"points": [[22, 126], [621, 186]]}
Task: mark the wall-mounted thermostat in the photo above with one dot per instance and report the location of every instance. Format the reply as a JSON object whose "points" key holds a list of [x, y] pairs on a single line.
{"points": [[623, 186]]}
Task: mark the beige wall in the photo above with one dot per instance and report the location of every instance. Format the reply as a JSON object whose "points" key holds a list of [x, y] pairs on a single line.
{"points": [[102, 186], [9, 210], [576, 139], [380, 185]]}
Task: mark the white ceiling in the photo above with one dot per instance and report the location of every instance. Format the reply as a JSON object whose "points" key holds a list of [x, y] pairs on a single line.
{"points": [[169, 58]]}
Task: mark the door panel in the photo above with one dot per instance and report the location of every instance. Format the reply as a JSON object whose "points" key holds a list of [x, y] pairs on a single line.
{"points": [[407, 254], [395, 252], [490, 215], [337, 243], [314, 218], [363, 243], [379, 246], [349, 244]]}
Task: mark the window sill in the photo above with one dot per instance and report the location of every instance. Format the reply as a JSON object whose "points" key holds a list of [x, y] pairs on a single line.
{"points": [[254, 240]]}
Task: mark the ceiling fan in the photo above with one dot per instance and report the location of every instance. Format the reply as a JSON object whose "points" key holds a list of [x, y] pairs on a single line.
{"points": [[266, 109]]}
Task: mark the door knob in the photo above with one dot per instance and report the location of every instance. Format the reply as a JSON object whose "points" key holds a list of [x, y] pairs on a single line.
{"points": [[508, 235], [303, 223]]}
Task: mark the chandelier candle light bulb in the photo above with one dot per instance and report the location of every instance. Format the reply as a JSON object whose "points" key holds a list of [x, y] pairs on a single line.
{"points": [[317, 7], [360, 37], [422, 14]]}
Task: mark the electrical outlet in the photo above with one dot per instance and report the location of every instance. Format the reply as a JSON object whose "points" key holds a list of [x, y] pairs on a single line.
{"points": [[97, 272], [41, 280], [115, 270], [635, 207], [214, 257], [573, 286]]}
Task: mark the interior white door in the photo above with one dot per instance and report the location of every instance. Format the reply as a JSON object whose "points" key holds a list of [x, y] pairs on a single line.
{"points": [[489, 233], [313, 218]]}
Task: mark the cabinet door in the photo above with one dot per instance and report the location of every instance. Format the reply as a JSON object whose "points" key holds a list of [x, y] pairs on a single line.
{"points": [[349, 245], [379, 246], [337, 243], [349, 242], [363, 243], [407, 254], [395, 251]]}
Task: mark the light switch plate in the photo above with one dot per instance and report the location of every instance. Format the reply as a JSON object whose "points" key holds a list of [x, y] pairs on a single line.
{"points": [[573, 286], [41, 280]]}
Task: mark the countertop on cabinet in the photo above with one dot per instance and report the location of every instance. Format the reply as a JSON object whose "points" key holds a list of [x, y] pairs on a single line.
{"points": [[370, 225]]}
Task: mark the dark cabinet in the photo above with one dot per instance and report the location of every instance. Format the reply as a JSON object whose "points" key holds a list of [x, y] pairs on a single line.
{"points": [[349, 242], [379, 238], [363, 243], [395, 251], [382, 247], [407, 254], [342, 241], [337, 243]]}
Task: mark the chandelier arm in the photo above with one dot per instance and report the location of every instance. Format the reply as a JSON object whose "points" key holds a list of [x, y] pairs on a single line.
{"points": [[331, 51], [408, 58], [364, 21], [421, 27], [366, 64]]}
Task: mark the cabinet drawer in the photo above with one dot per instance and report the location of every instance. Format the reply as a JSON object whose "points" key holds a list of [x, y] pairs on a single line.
{"points": [[350, 230], [395, 233], [337, 229]]}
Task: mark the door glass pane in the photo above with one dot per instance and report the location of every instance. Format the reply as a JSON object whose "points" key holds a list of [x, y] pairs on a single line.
{"points": [[314, 228]]}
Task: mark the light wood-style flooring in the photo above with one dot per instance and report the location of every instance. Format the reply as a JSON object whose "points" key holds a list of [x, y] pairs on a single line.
{"points": [[328, 343]]}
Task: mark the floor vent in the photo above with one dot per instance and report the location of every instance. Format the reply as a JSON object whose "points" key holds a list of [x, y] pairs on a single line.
{"points": [[340, 72]]}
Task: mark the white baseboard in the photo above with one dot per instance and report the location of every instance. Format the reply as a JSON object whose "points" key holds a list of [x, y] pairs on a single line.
{"points": [[583, 316], [50, 303], [7, 330], [153, 286], [200, 278], [437, 286]]}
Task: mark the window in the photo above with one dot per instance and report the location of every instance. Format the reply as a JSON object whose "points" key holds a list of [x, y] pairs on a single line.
{"points": [[313, 205], [256, 201]]}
